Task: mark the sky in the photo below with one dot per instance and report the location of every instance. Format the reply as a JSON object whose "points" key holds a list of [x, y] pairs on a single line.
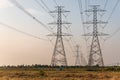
{"points": [[17, 48]]}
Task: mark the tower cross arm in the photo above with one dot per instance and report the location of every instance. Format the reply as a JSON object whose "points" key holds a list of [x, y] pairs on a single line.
{"points": [[63, 34], [56, 11], [54, 23], [98, 22], [99, 34]]}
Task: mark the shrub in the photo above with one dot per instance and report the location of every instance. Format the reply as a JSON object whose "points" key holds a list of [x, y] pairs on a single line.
{"points": [[42, 73]]}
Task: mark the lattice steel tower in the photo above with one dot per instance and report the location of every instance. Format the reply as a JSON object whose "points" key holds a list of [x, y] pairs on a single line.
{"points": [[59, 55], [80, 59], [95, 56], [77, 61]]}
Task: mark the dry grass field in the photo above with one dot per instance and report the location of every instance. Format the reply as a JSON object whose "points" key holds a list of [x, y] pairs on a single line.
{"points": [[54, 74]]}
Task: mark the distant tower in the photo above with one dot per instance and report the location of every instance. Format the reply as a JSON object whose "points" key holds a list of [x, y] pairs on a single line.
{"points": [[80, 60], [59, 55], [95, 56], [77, 61]]}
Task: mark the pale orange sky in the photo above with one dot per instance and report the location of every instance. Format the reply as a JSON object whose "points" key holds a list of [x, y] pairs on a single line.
{"points": [[17, 48]]}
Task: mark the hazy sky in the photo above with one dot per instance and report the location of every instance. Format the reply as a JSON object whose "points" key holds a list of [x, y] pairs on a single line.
{"points": [[17, 48]]}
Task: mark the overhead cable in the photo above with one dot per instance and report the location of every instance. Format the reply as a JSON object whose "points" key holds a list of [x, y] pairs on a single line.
{"points": [[113, 10], [15, 29], [30, 15]]}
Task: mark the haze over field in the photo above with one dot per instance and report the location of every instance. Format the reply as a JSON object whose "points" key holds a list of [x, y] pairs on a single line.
{"points": [[17, 48]]}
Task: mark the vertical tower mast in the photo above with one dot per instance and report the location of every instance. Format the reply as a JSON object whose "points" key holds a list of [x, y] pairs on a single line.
{"points": [[95, 56], [80, 59], [77, 61], [59, 55]]}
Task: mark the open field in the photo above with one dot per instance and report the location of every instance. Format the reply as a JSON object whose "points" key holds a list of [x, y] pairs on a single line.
{"points": [[55, 74]]}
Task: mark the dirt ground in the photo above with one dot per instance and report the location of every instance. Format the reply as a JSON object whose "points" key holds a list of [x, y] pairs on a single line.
{"points": [[22, 74]]}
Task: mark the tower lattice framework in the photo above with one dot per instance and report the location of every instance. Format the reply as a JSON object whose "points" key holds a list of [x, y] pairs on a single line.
{"points": [[95, 56], [59, 55], [80, 59], [77, 61]]}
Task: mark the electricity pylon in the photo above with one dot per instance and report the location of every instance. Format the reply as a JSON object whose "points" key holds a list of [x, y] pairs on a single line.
{"points": [[77, 61], [59, 55], [95, 56], [80, 60]]}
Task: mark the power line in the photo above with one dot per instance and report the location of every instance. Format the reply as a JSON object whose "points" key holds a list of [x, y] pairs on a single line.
{"points": [[50, 40], [82, 18], [30, 15], [114, 8], [86, 4], [70, 45], [105, 4], [81, 13], [113, 34], [69, 30], [55, 2], [41, 5], [45, 5], [15, 29], [47, 11]]}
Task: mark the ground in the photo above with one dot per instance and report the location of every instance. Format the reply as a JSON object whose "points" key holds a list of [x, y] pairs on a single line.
{"points": [[56, 74]]}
